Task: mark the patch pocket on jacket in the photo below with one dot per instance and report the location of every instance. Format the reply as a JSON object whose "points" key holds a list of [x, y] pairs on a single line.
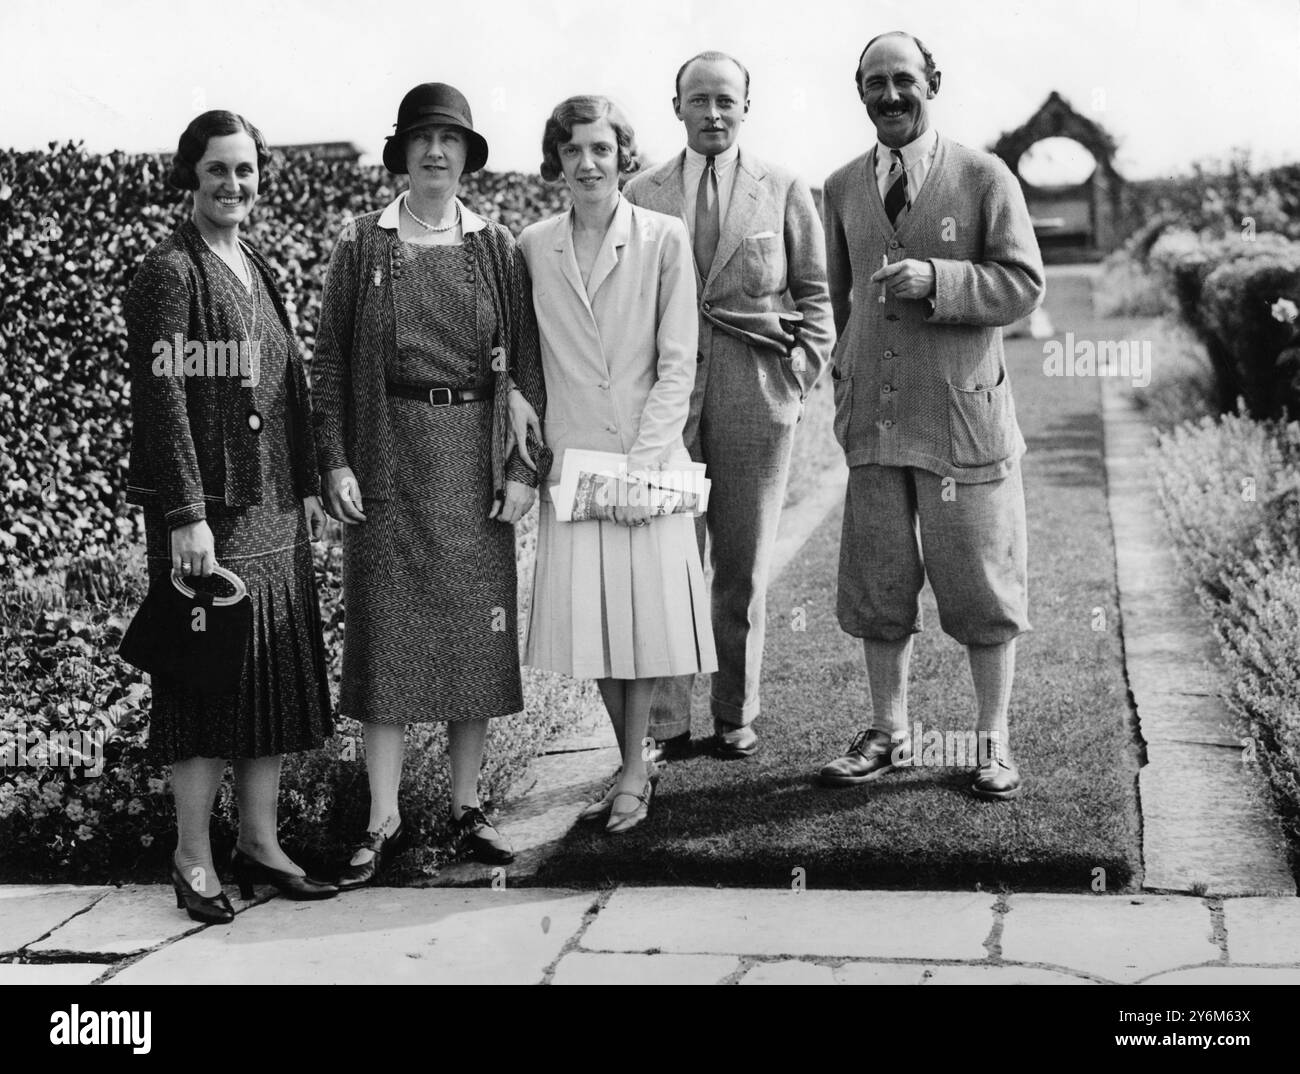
{"points": [[843, 387], [981, 423], [764, 264]]}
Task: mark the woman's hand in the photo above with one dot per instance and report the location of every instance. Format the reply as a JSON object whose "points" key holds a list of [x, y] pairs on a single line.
{"points": [[315, 517], [343, 496], [518, 502], [194, 551], [633, 502], [522, 419]]}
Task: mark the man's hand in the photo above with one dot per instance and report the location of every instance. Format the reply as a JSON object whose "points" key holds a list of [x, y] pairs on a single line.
{"points": [[315, 513], [343, 496], [518, 502], [522, 418], [908, 278], [194, 551]]}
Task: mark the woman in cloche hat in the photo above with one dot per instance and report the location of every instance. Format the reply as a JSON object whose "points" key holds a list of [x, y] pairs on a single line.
{"points": [[427, 341]]}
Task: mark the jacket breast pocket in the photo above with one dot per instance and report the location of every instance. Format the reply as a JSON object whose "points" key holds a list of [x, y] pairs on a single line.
{"points": [[763, 267], [981, 423]]}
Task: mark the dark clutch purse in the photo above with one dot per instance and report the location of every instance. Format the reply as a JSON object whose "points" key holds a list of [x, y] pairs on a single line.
{"points": [[191, 637]]}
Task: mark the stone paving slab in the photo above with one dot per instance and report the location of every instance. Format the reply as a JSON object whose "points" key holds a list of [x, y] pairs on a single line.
{"points": [[28, 915], [126, 921], [57, 973], [584, 968], [1001, 975], [1228, 975], [378, 936], [1206, 829], [1263, 930], [790, 972], [942, 925], [1118, 938], [1179, 717]]}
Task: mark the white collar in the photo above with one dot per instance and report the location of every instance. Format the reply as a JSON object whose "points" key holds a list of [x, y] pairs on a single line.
{"points": [[722, 160], [469, 221], [918, 148]]}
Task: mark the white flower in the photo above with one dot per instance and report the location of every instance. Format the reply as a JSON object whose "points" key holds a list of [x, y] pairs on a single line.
{"points": [[1285, 310]]}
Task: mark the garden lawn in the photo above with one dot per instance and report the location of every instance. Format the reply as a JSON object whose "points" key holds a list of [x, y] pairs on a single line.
{"points": [[755, 822]]}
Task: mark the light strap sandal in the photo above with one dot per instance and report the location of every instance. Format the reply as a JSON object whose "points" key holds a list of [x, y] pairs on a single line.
{"points": [[620, 821]]}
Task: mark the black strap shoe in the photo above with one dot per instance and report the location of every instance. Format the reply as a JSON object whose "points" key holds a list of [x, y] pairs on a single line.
{"points": [[248, 871], [480, 840], [206, 909], [383, 848]]}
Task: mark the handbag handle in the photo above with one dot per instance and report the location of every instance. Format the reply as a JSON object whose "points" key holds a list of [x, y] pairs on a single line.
{"points": [[241, 590]]}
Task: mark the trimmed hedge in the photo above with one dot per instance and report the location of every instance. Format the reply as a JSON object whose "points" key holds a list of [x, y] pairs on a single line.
{"points": [[75, 226]]}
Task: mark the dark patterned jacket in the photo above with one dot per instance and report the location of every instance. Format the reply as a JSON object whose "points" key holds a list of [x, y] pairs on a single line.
{"points": [[357, 341], [194, 440]]}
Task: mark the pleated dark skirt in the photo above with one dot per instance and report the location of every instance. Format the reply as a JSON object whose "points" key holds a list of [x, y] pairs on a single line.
{"points": [[282, 704]]}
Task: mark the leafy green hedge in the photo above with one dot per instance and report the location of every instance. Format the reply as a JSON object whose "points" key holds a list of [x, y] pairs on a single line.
{"points": [[1231, 492], [75, 226], [1237, 295]]}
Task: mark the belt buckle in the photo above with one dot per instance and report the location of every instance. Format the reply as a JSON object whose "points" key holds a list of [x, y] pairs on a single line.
{"points": [[446, 399]]}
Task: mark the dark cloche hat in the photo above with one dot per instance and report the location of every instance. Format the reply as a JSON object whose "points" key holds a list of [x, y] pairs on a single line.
{"points": [[428, 103]]}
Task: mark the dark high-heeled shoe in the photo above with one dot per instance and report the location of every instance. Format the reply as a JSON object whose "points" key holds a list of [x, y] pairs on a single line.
{"points": [[249, 871], [206, 909], [383, 848]]}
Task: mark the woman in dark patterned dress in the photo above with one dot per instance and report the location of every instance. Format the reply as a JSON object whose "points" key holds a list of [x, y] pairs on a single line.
{"points": [[223, 463], [426, 353]]}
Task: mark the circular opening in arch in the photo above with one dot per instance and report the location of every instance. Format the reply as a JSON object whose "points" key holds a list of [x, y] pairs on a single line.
{"points": [[1056, 162]]}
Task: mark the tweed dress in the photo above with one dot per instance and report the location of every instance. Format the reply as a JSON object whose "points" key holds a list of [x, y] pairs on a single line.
{"points": [[282, 704], [429, 578]]}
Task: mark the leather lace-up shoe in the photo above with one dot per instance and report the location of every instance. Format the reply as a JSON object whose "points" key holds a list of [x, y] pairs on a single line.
{"points": [[996, 778], [676, 748], [734, 743], [481, 840], [869, 756]]}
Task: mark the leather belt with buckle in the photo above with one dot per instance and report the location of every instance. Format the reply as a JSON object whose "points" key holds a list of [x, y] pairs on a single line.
{"points": [[441, 394]]}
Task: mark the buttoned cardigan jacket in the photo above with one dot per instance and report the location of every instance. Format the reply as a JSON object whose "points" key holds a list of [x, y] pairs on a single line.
{"points": [[619, 353], [195, 440], [923, 382], [357, 342]]}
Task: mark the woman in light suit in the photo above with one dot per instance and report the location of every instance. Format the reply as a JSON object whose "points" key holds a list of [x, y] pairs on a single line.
{"points": [[623, 602]]}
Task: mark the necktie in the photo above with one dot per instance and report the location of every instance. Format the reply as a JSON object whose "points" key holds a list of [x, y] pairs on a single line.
{"points": [[896, 195], [707, 224]]}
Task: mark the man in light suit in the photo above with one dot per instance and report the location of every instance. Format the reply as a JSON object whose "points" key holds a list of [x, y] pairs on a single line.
{"points": [[765, 336], [930, 250]]}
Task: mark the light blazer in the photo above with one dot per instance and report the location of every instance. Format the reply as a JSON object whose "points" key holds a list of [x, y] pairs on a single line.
{"points": [[770, 263], [619, 367]]}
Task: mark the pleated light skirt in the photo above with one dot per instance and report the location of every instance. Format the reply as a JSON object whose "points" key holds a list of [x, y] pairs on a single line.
{"points": [[619, 602]]}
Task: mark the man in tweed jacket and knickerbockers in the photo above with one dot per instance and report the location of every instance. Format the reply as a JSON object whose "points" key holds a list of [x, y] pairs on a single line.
{"points": [[930, 251]]}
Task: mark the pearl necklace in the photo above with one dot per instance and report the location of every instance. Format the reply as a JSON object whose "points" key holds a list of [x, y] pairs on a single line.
{"points": [[406, 202]]}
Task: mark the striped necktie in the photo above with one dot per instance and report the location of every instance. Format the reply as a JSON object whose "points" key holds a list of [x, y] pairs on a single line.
{"points": [[896, 195], [707, 224]]}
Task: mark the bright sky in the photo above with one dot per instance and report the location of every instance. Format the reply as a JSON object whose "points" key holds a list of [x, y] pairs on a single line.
{"points": [[1173, 80]]}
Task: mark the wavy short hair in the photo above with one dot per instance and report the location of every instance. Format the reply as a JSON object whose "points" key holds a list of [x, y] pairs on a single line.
{"points": [[586, 109], [194, 143]]}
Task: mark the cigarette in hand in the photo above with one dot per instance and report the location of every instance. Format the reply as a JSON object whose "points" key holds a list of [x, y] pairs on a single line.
{"points": [[884, 263]]}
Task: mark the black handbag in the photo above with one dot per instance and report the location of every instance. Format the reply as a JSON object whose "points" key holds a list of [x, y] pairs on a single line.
{"points": [[192, 638]]}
